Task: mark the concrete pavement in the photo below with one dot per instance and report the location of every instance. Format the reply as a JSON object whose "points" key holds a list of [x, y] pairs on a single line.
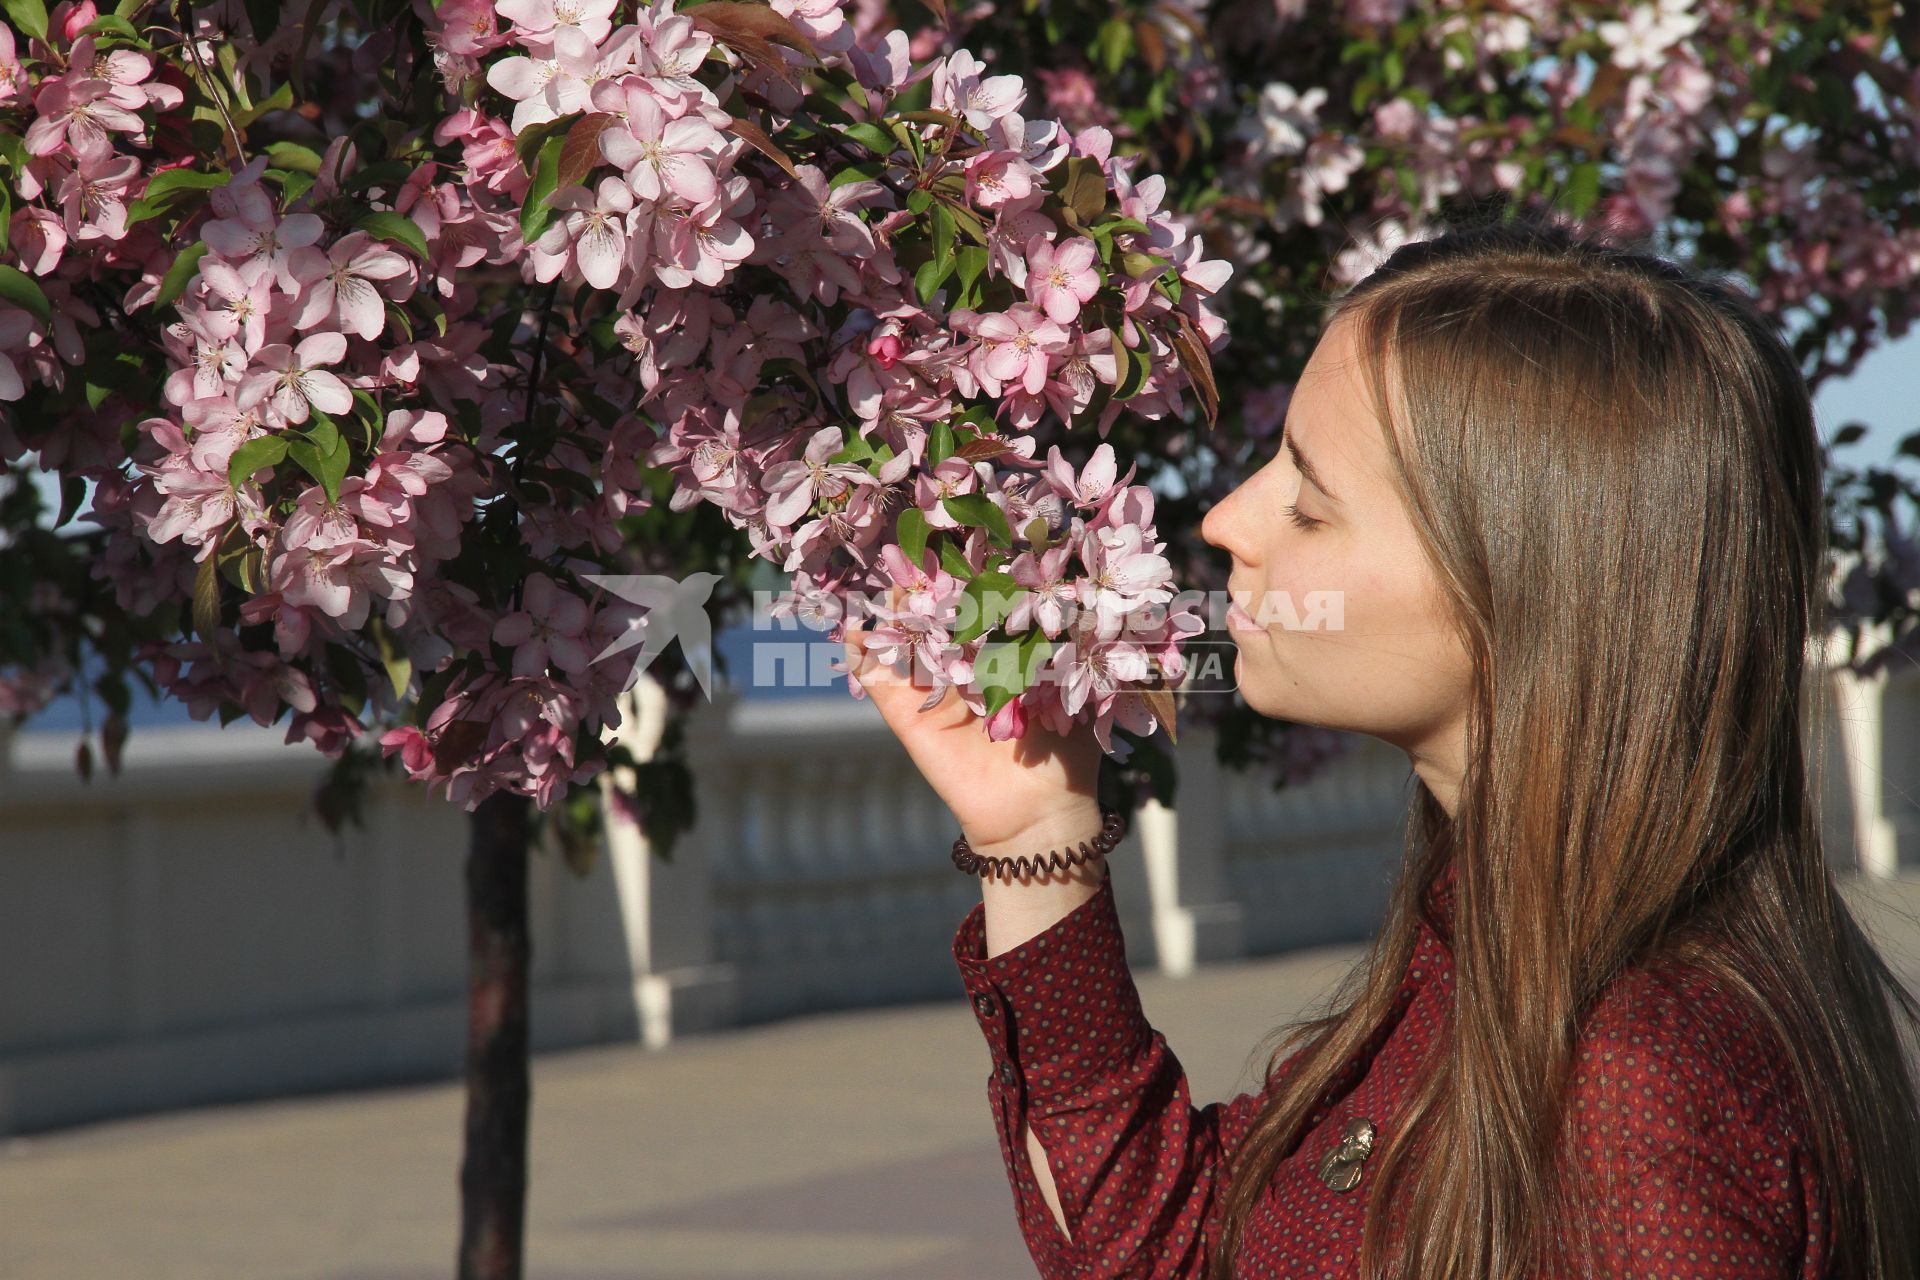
{"points": [[855, 1144]]}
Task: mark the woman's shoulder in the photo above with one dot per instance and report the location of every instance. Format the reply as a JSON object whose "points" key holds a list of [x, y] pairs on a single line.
{"points": [[1672, 1053]]}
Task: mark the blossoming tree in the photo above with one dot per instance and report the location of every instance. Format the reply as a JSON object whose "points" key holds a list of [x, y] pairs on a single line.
{"points": [[382, 338]]}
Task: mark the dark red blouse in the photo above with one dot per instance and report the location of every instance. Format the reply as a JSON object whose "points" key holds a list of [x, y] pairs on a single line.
{"points": [[1682, 1103]]}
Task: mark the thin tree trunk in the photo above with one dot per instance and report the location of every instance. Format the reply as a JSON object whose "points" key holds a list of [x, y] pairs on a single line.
{"points": [[493, 1171]]}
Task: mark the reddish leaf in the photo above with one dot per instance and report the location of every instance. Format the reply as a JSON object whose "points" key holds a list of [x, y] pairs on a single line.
{"points": [[756, 137], [581, 151], [754, 31], [1152, 43], [1198, 364], [1160, 702], [458, 744]]}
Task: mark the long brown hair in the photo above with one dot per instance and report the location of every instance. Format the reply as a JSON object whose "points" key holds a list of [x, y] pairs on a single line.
{"points": [[1613, 464]]}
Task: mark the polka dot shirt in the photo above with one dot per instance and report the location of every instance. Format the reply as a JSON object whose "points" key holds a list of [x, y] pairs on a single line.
{"points": [[1681, 1108]]}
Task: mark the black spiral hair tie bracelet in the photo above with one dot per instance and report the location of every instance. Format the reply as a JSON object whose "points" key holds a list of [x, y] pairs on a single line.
{"points": [[1111, 828]]}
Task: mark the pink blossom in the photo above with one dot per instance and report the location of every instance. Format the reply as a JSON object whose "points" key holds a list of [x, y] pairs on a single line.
{"points": [[793, 487], [997, 178], [39, 240], [588, 22], [242, 303], [341, 285], [339, 581], [80, 113], [692, 248], [1023, 341], [661, 155], [93, 195], [217, 359], [590, 231], [550, 629], [255, 240], [544, 87], [1061, 278], [1050, 591], [289, 379], [958, 87], [1097, 484]]}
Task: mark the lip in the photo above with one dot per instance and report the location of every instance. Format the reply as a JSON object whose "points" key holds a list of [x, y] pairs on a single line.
{"points": [[1239, 619]]}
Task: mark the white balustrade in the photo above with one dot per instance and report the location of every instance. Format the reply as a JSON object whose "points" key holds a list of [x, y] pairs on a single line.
{"points": [[182, 933]]}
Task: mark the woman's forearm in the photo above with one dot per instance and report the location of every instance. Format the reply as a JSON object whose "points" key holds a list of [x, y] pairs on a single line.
{"points": [[1018, 910]]}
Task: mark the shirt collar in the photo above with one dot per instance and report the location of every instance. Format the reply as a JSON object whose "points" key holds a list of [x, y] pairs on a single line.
{"points": [[1439, 899]]}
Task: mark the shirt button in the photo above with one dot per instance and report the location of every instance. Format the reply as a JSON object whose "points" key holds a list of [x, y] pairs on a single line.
{"points": [[1007, 1073], [984, 1003]]}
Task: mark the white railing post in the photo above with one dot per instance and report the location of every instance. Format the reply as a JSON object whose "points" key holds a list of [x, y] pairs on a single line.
{"points": [[1193, 918], [666, 907]]}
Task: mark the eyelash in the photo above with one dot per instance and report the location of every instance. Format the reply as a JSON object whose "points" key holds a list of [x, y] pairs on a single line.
{"points": [[1299, 517]]}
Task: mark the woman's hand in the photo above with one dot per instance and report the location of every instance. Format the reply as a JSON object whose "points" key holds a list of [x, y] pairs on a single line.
{"points": [[1026, 796]]}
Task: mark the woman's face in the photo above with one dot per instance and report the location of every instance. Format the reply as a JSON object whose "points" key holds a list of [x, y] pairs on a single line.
{"points": [[1355, 633]]}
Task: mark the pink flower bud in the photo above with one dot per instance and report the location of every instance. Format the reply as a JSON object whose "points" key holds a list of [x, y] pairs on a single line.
{"points": [[886, 349], [78, 19]]}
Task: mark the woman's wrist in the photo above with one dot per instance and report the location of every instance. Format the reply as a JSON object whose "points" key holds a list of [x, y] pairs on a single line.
{"points": [[1062, 829]]}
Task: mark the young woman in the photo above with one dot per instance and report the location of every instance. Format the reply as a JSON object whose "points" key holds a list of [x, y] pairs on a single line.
{"points": [[1617, 1022]]}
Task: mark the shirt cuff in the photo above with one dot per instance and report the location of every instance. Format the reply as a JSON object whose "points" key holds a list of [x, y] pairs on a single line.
{"points": [[1059, 1010]]}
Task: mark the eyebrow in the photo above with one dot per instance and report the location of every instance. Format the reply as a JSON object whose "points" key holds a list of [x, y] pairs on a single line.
{"points": [[1306, 468]]}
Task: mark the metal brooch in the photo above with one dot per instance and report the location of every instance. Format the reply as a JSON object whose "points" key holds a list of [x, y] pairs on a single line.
{"points": [[1340, 1167]]}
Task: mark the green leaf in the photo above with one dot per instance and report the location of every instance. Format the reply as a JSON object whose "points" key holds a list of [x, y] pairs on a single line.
{"points": [[291, 155], [865, 172], [169, 186], [993, 594], [28, 15], [927, 280], [180, 274], [1582, 190], [954, 560], [72, 490], [322, 453], [1113, 43], [281, 100], [857, 449], [206, 597], [943, 233], [113, 25], [1005, 668], [977, 510], [910, 531], [972, 260], [1085, 189], [1135, 366], [534, 137], [398, 665], [872, 137], [535, 214], [294, 186], [940, 444], [17, 287], [267, 451], [918, 199], [395, 228], [375, 420]]}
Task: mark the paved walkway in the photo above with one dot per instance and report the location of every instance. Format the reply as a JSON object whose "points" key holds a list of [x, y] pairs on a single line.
{"points": [[850, 1145]]}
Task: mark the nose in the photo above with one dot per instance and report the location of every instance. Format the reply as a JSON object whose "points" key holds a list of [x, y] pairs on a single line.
{"points": [[1216, 525]]}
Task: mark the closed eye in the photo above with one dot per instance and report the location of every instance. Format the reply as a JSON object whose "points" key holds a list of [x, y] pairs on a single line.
{"points": [[1300, 518]]}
